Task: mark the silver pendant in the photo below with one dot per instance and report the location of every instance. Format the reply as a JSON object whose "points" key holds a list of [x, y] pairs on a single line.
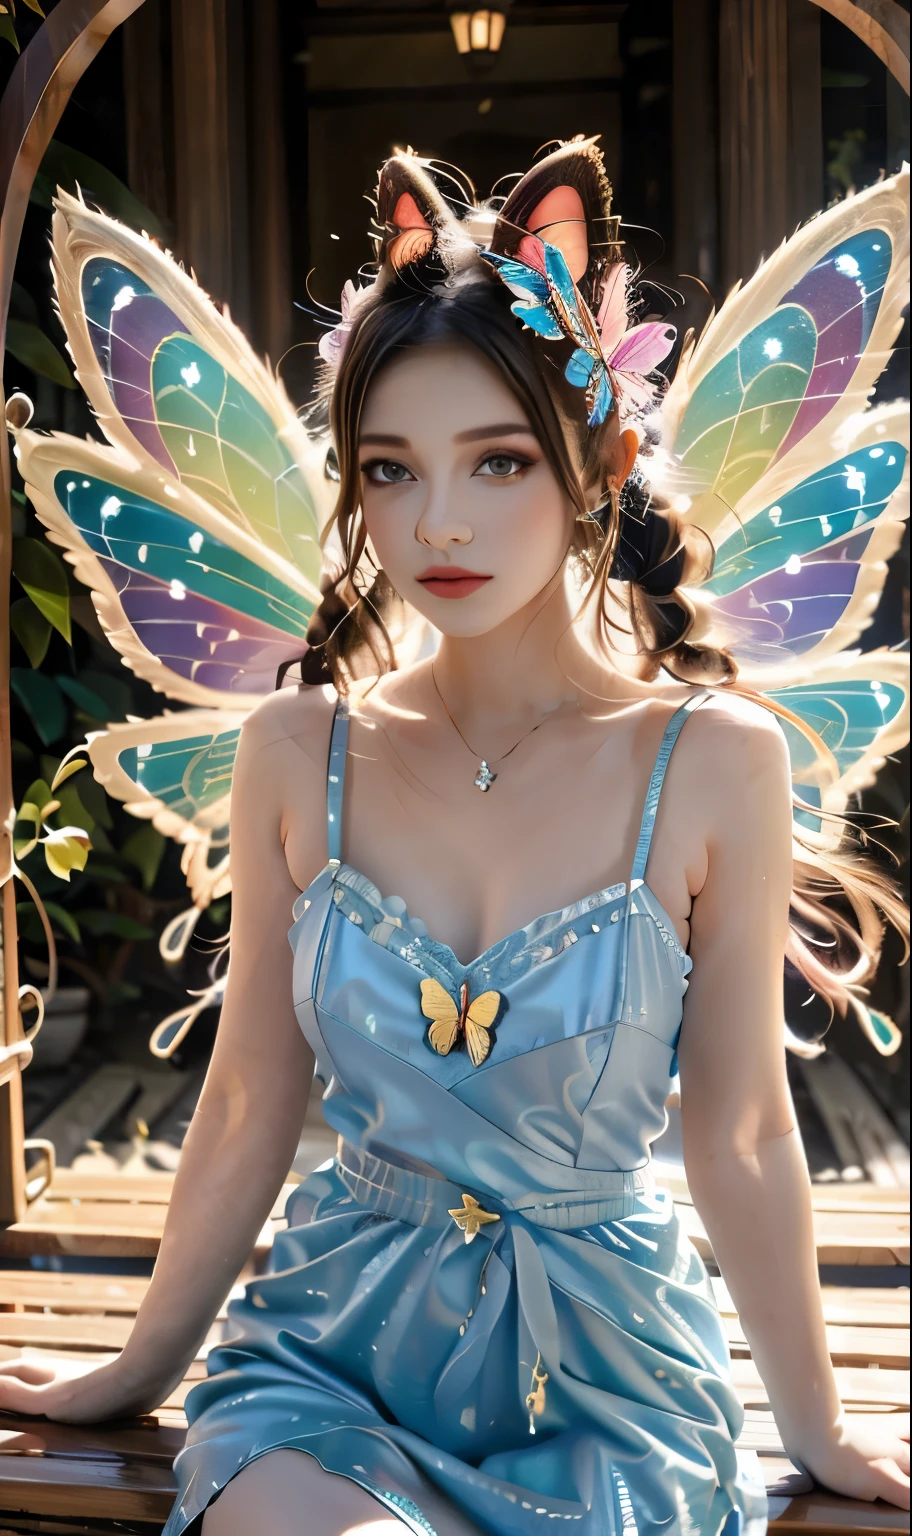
{"points": [[484, 778]]}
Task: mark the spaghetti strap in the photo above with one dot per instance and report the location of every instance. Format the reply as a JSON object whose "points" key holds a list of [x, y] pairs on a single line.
{"points": [[653, 793], [335, 781]]}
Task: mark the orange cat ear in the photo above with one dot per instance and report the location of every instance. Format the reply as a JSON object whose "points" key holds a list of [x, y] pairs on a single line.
{"points": [[565, 200], [410, 210], [560, 219]]}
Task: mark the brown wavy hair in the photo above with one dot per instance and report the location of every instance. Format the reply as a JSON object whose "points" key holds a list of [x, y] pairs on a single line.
{"points": [[441, 292]]}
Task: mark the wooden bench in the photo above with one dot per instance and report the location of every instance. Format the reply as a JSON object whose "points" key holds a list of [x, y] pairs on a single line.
{"points": [[89, 1477]]}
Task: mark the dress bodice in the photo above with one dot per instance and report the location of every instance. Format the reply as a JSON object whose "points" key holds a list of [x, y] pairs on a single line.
{"points": [[480, 1306], [572, 1092]]}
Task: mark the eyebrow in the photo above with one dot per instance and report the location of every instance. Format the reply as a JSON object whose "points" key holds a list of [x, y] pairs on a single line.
{"points": [[472, 435]]}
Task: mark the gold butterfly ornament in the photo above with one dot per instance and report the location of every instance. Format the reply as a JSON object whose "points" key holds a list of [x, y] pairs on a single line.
{"points": [[467, 1024]]}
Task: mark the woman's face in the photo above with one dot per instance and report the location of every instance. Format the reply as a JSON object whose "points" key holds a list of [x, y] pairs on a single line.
{"points": [[462, 508]]}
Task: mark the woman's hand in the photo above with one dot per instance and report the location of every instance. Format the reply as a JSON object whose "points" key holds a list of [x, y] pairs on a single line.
{"points": [[865, 1458], [76, 1391]]}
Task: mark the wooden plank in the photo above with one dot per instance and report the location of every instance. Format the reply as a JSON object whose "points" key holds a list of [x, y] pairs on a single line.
{"points": [[62, 1293], [856, 1238], [847, 1346], [106, 1227], [862, 1390], [115, 1488], [850, 1306], [88, 1110], [75, 1331], [150, 1188], [864, 1137], [850, 1195], [823, 1514]]}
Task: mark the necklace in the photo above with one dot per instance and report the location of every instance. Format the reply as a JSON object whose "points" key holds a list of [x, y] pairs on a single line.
{"points": [[485, 776]]}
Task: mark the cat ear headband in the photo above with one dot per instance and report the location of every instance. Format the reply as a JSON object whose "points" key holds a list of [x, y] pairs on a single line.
{"points": [[555, 245]]}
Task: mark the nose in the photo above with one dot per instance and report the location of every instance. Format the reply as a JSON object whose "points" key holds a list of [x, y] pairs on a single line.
{"points": [[440, 523]]}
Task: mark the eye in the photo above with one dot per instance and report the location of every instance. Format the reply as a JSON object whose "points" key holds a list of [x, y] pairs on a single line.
{"points": [[386, 472], [502, 465]]}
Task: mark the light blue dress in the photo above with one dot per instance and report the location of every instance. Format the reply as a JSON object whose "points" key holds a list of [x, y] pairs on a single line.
{"points": [[568, 1363]]}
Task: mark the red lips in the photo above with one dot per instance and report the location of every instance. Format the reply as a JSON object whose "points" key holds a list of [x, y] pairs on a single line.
{"points": [[451, 581]]}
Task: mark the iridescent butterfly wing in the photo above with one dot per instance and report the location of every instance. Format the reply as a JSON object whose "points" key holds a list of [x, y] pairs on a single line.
{"points": [[770, 445], [196, 526], [549, 302]]}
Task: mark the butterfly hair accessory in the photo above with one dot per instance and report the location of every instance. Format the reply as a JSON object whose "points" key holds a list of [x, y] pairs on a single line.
{"points": [[332, 343], [611, 358]]}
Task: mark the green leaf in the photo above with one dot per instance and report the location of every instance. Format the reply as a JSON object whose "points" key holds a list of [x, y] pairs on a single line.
{"points": [[41, 698], [31, 629], [83, 697], [144, 849], [72, 807], [38, 794], [117, 924], [96, 802], [116, 692], [42, 573], [8, 32], [22, 305], [28, 922], [69, 168], [60, 775], [34, 6], [105, 873], [28, 344], [64, 920]]}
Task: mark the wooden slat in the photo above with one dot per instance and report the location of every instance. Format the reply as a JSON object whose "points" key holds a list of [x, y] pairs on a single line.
{"points": [[823, 1514], [850, 1306], [104, 1227], [847, 1346], [37, 1329], [852, 1195], [62, 1293], [844, 1238], [858, 1388], [89, 1109]]}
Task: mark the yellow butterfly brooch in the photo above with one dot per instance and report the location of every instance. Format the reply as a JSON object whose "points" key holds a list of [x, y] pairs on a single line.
{"points": [[468, 1024]]}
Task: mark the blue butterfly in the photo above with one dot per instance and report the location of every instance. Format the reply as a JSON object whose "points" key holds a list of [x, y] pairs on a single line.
{"points": [[550, 304]]}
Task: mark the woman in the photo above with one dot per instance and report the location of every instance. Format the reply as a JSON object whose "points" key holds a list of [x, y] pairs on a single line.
{"points": [[482, 1313]]}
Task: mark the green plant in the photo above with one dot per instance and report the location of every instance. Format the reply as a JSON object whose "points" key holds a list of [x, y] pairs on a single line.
{"points": [[8, 20]]}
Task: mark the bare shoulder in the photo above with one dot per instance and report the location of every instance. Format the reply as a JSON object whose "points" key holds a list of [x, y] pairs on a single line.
{"points": [[291, 720], [734, 753]]}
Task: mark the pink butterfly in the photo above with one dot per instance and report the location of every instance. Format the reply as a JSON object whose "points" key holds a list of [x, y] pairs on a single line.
{"points": [[631, 353], [332, 343]]}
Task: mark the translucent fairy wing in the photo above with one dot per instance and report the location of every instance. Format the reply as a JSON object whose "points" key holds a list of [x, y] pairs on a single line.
{"points": [[177, 385], [857, 706], [789, 357], [175, 771], [195, 605], [801, 578], [172, 1031], [773, 452]]}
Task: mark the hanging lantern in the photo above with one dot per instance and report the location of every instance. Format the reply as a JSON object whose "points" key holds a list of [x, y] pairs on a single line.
{"points": [[478, 33]]}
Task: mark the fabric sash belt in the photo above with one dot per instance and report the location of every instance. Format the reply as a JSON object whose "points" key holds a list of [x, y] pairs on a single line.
{"points": [[425, 1200], [510, 1261]]}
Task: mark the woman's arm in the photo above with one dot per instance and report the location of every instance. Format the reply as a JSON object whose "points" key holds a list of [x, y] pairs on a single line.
{"points": [[742, 1150], [243, 1136]]}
